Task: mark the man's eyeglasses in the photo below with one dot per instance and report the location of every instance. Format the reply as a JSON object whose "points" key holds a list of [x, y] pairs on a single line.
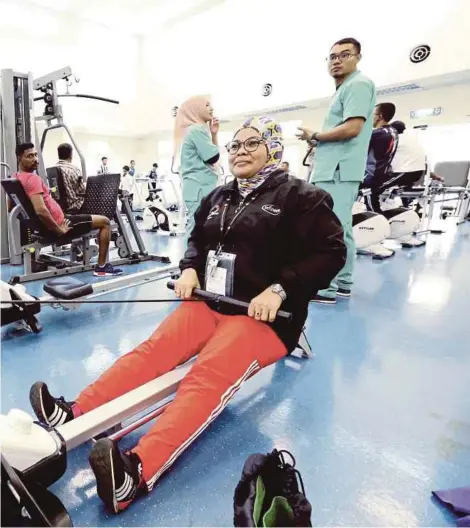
{"points": [[343, 56], [250, 145]]}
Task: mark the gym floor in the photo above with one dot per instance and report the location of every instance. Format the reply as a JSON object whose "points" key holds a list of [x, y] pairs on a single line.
{"points": [[376, 421]]}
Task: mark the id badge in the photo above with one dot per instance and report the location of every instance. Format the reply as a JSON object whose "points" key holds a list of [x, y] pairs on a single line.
{"points": [[220, 270]]}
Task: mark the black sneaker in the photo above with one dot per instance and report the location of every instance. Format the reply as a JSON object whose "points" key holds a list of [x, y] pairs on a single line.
{"points": [[343, 292], [323, 300], [49, 410], [118, 476]]}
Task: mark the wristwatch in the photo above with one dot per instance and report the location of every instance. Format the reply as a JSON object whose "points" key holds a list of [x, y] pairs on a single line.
{"points": [[314, 136], [277, 288]]}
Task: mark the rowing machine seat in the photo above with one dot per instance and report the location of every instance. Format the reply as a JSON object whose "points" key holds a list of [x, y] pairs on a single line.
{"points": [[67, 288]]}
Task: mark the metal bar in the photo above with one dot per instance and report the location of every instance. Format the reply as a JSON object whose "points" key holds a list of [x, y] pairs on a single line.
{"points": [[28, 106], [122, 282], [214, 297], [101, 419], [133, 226], [46, 130], [87, 96], [28, 277], [57, 75], [123, 231], [42, 167], [446, 200], [6, 166], [14, 236], [8, 144], [133, 279], [28, 262], [127, 429], [53, 259], [77, 150]]}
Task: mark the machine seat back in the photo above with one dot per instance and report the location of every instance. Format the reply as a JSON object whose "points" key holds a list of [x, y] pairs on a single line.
{"points": [[28, 216], [101, 195]]}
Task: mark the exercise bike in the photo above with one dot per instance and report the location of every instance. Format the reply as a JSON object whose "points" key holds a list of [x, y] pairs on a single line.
{"points": [[402, 222], [369, 231], [162, 214]]}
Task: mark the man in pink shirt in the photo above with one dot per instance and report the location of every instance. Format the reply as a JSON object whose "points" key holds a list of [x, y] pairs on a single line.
{"points": [[51, 215]]}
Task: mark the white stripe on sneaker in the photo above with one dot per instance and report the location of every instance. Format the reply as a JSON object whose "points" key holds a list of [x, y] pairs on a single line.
{"points": [[112, 480], [125, 488], [60, 418], [53, 416], [225, 398]]}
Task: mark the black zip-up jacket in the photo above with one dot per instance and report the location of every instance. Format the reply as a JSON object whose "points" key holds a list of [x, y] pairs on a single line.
{"points": [[288, 235]]}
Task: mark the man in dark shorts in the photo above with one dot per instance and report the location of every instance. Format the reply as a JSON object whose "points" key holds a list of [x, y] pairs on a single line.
{"points": [[382, 148], [51, 214]]}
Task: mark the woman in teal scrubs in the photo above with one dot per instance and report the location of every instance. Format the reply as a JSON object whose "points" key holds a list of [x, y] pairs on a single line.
{"points": [[196, 152]]}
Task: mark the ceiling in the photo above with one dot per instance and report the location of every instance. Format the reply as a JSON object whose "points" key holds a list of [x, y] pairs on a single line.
{"points": [[132, 50], [135, 16]]}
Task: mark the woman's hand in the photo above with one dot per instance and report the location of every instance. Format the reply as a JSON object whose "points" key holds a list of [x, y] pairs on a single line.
{"points": [[214, 126], [264, 307], [185, 285]]}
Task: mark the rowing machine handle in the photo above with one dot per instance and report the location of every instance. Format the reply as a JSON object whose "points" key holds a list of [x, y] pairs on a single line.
{"points": [[228, 300]]}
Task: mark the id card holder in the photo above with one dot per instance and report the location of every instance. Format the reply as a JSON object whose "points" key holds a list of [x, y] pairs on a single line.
{"points": [[220, 272]]}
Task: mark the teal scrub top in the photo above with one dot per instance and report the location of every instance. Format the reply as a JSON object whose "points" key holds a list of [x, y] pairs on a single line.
{"points": [[355, 97], [199, 178]]}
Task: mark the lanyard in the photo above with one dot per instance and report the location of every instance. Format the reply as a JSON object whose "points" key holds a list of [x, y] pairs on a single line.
{"points": [[238, 211]]}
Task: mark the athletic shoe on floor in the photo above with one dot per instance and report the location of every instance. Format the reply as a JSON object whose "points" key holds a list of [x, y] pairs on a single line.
{"points": [[343, 292], [323, 300], [108, 270], [118, 476], [49, 410]]}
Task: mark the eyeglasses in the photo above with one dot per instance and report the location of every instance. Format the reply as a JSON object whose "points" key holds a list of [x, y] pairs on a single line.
{"points": [[250, 145], [343, 56]]}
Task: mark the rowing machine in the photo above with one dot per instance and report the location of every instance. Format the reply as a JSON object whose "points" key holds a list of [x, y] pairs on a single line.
{"points": [[39, 452], [19, 306]]}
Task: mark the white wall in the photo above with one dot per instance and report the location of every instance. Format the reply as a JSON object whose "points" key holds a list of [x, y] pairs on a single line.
{"points": [[119, 150], [38, 40], [446, 143], [231, 50], [454, 100], [228, 51]]}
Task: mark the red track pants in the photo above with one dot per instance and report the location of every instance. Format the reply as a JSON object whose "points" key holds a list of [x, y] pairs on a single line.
{"points": [[231, 349]]}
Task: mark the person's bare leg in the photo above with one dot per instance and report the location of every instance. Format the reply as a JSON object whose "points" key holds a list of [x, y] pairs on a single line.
{"points": [[104, 236]]}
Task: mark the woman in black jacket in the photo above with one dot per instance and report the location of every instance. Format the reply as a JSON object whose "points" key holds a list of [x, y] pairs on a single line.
{"points": [[266, 238]]}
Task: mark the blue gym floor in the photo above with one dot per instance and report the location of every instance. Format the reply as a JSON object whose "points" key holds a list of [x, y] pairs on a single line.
{"points": [[376, 421]]}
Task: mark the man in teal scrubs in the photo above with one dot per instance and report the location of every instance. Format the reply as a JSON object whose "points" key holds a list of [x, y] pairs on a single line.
{"points": [[341, 153]]}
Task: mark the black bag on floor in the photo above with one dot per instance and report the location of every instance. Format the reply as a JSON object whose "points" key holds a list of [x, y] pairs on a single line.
{"points": [[269, 494]]}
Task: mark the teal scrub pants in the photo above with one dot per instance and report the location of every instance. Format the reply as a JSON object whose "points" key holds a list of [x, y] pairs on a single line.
{"points": [[191, 208], [192, 205], [344, 195]]}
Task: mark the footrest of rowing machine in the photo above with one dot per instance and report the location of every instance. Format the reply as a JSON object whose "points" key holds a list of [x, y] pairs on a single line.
{"points": [[67, 288]]}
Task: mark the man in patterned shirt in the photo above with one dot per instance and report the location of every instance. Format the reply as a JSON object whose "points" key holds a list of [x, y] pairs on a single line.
{"points": [[73, 179]]}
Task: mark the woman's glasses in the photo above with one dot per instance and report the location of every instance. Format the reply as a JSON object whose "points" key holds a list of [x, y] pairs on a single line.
{"points": [[250, 145]]}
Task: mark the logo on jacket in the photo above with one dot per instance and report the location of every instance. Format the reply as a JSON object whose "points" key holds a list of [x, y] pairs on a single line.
{"points": [[271, 209], [213, 212]]}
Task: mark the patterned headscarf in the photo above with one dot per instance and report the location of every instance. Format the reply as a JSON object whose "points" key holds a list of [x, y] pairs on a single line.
{"points": [[271, 132]]}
